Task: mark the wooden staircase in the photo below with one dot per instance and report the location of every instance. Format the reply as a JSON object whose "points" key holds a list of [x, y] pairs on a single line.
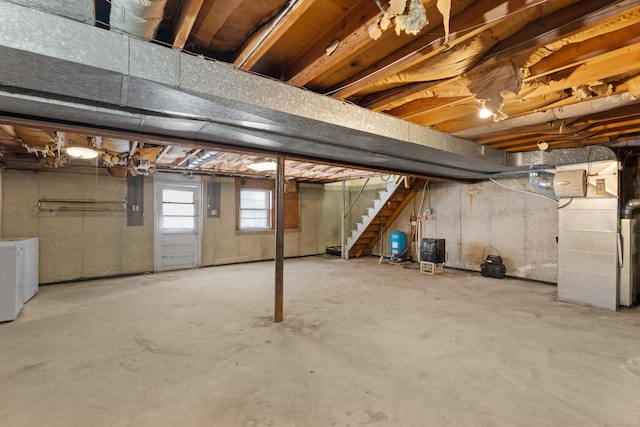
{"points": [[384, 212]]}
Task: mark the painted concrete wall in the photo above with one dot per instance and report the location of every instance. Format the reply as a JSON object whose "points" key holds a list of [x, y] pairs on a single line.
{"points": [[472, 217], [76, 244], [95, 244], [319, 227]]}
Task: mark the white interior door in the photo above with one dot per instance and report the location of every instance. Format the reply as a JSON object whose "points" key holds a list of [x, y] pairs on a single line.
{"points": [[178, 226]]}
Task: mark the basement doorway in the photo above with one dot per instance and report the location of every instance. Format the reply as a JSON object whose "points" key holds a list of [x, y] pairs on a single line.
{"points": [[178, 226]]}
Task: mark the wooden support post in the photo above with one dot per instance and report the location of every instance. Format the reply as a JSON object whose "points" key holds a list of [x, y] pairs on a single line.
{"points": [[279, 300]]}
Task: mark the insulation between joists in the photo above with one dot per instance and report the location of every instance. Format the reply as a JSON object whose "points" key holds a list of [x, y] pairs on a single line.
{"points": [[140, 18]]}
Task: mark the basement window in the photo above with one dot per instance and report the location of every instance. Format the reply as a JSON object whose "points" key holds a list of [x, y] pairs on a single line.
{"points": [[255, 201], [255, 209]]}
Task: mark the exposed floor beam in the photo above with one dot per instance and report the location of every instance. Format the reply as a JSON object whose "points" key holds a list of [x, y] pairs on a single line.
{"points": [[215, 18], [207, 101], [352, 34], [188, 13], [537, 34], [480, 16], [599, 68], [267, 37]]}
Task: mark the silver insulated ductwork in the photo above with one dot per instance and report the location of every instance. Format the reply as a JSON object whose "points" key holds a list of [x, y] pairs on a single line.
{"points": [[542, 183], [139, 18], [627, 210], [539, 181]]}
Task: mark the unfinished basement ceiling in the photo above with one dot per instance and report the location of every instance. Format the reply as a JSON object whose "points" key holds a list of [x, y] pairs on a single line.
{"points": [[560, 72], [20, 143], [555, 73]]}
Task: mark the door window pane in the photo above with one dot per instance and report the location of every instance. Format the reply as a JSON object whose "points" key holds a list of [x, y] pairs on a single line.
{"points": [[178, 210], [177, 196], [178, 223]]}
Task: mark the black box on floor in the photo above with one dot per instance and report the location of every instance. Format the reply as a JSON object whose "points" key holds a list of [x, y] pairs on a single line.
{"points": [[497, 271], [432, 250], [333, 250], [494, 259]]}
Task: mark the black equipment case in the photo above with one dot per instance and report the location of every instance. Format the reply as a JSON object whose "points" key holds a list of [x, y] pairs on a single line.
{"points": [[493, 267]]}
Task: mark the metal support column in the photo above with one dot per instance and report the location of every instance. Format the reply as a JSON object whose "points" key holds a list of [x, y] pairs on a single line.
{"points": [[343, 244], [279, 300]]}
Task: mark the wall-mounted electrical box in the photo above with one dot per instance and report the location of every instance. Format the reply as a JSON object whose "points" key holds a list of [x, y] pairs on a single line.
{"points": [[570, 183]]}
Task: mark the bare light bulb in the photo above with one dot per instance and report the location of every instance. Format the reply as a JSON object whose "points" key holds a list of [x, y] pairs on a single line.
{"points": [[485, 113], [82, 152]]}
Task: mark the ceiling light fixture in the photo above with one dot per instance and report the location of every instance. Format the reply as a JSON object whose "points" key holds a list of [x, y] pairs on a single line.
{"points": [[82, 152], [485, 113], [202, 158], [269, 165]]}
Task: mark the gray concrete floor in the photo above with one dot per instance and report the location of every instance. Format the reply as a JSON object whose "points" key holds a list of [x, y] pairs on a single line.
{"points": [[362, 344]]}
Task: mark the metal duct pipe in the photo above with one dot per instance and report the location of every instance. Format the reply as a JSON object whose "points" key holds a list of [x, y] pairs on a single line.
{"points": [[140, 18], [629, 207], [591, 106], [635, 142], [540, 181]]}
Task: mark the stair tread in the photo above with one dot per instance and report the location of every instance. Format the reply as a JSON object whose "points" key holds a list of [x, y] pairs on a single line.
{"points": [[384, 207]]}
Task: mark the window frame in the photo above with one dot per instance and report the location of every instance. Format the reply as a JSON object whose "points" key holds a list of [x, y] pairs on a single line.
{"points": [[291, 203], [163, 215], [268, 209]]}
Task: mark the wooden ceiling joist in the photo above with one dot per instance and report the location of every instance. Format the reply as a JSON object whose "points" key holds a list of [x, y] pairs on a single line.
{"points": [[188, 13], [352, 35], [470, 22], [261, 42]]}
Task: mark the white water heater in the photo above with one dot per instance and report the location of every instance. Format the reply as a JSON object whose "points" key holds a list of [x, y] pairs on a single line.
{"points": [[570, 183]]}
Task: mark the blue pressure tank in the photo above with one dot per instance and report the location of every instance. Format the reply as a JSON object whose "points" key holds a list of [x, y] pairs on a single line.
{"points": [[398, 244]]}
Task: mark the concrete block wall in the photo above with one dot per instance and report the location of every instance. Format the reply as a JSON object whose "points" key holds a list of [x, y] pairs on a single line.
{"points": [[473, 218], [77, 245]]}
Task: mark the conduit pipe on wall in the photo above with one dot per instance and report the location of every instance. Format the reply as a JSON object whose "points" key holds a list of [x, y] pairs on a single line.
{"points": [[140, 18], [629, 207]]}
